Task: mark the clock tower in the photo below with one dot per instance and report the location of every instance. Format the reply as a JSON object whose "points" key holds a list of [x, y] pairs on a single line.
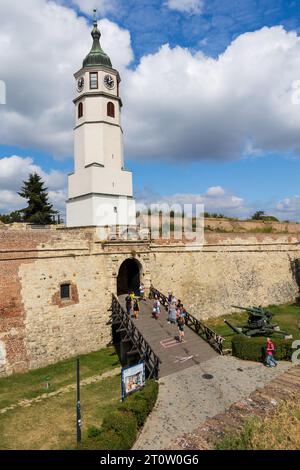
{"points": [[100, 189]]}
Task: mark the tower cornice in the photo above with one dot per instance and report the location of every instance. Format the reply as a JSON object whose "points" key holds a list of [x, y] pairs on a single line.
{"points": [[98, 69], [98, 93]]}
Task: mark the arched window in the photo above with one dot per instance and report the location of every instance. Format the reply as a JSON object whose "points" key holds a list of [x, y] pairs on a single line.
{"points": [[110, 109], [80, 110]]}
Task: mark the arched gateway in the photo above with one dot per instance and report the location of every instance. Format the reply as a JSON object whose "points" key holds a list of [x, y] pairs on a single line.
{"points": [[129, 277]]}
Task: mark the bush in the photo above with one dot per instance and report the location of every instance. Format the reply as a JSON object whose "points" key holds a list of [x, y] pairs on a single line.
{"points": [[254, 349], [138, 406], [150, 393], [119, 428]]}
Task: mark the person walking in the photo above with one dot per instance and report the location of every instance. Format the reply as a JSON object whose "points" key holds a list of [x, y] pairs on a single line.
{"points": [[128, 302], [172, 314], [142, 291], [132, 295], [156, 309], [270, 349], [136, 309], [181, 325]]}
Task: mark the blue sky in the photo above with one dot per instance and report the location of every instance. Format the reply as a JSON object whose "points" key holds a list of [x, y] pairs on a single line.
{"points": [[261, 179]]}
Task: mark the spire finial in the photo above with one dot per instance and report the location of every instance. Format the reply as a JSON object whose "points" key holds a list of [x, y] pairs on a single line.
{"points": [[96, 55], [95, 17]]}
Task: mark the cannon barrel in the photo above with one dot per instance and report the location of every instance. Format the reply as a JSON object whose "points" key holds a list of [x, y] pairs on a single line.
{"points": [[257, 311], [236, 330]]}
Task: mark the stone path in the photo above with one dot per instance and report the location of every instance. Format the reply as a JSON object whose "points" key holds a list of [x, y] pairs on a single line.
{"points": [[260, 403], [187, 399], [68, 388], [161, 336]]}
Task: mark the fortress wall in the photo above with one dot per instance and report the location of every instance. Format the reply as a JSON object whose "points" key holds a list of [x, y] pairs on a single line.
{"points": [[230, 270], [38, 328]]}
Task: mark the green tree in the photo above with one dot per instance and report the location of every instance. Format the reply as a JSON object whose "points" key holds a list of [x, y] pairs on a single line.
{"points": [[14, 216], [259, 215], [39, 210]]}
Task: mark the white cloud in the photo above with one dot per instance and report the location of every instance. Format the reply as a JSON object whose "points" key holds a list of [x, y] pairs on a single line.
{"points": [[14, 170], [189, 6], [177, 105], [215, 191], [288, 209], [215, 199], [186, 106], [42, 44], [102, 6]]}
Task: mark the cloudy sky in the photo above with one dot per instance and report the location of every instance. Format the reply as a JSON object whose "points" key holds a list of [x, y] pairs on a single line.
{"points": [[211, 93]]}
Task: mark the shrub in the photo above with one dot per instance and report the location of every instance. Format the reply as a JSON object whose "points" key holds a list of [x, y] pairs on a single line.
{"points": [[119, 428], [150, 393], [138, 406], [254, 349]]}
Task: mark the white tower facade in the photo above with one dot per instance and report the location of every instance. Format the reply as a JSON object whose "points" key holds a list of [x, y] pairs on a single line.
{"points": [[100, 189]]}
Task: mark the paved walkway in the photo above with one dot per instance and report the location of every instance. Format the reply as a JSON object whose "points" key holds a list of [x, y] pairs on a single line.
{"points": [[162, 336], [187, 399]]}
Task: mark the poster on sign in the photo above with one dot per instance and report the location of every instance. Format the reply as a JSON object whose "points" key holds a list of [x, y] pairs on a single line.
{"points": [[133, 379]]}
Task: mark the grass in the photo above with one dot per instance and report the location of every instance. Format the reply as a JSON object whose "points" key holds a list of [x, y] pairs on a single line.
{"points": [[51, 424], [286, 316], [32, 384], [281, 431]]}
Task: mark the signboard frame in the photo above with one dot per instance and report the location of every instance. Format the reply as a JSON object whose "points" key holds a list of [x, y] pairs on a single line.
{"points": [[133, 376]]}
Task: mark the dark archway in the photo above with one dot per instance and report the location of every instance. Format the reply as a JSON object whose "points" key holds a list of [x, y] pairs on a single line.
{"points": [[128, 277]]}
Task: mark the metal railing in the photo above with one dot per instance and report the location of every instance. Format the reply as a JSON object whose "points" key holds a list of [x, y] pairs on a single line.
{"points": [[131, 334], [206, 333]]}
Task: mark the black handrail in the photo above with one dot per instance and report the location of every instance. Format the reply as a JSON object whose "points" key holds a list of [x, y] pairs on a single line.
{"points": [[212, 338], [146, 353]]}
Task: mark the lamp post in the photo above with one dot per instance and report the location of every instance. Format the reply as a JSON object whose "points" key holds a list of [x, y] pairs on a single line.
{"points": [[78, 408]]}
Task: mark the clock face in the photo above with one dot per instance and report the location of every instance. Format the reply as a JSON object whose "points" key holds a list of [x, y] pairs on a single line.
{"points": [[109, 82], [80, 84]]}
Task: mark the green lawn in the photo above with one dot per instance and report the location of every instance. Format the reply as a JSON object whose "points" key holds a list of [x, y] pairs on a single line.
{"points": [[51, 423], [32, 384], [286, 316]]}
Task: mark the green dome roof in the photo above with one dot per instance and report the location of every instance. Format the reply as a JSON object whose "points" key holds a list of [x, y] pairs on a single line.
{"points": [[96, 56]]}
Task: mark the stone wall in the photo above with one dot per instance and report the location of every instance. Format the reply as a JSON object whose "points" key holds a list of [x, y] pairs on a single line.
{"points": [[37, 327], [230, 270]]}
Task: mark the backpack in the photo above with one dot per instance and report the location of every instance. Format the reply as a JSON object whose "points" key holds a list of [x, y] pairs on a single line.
{"points": [[181, 320]]}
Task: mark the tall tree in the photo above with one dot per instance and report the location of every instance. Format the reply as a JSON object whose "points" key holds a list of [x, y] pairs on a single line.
{"points": [[39, 210]]}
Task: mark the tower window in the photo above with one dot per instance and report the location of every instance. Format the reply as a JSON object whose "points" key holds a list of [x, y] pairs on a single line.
{"points": [[80, 110], [110, 109], [65, 291], [93, 80]]}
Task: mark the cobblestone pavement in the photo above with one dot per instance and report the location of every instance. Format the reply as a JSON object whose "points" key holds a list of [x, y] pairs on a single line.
{"points": [[187, 399], [260, 403], [60, 391]]}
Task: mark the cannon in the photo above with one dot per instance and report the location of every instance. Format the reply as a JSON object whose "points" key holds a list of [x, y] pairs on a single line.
{"points": [[259, 323]]}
